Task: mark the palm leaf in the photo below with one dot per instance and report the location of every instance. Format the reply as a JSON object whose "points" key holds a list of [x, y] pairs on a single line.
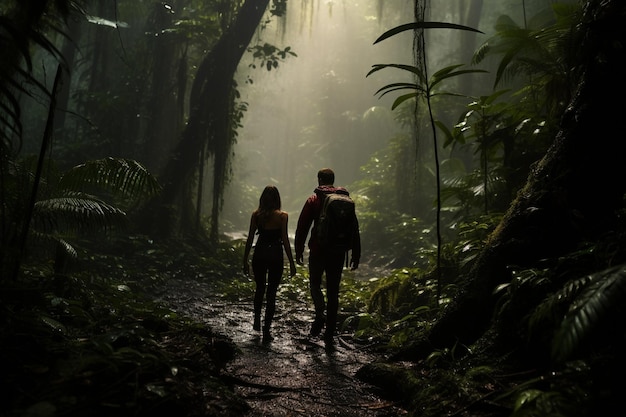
{"points": [[599, 303], [121, 177], [76, 213], [56, 246], [410, 68], [439, 76], [401, 99], [10, 118], [422, 25], [396, 86]]}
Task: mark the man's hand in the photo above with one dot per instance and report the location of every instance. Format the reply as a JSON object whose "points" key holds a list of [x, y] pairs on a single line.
{"points": [[354, 264], [300, 259]]}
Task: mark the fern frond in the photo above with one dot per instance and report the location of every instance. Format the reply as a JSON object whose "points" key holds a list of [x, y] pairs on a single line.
{"points": [[77, 213], [121, 177], [597, 305], [67, 249], [481, 53], [52, 245]]}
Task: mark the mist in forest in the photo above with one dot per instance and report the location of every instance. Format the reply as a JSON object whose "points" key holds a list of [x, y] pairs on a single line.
{"points": [[317, 109], [320, 110]]}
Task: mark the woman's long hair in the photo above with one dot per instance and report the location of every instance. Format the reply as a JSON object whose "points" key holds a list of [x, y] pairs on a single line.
{"points": [[268, 203]]}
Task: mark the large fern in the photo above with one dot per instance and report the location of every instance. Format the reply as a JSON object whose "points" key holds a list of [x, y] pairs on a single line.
{"points": [[79, 203], [119, 177], [74, 213], [89, 199], [598, 303], [544, 50]]}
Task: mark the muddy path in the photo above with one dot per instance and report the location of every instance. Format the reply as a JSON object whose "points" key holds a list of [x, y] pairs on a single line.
{"points": [[292, 375]]}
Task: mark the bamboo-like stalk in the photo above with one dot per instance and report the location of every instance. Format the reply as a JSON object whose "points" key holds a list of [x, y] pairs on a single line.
{"points": [[45, 145]]}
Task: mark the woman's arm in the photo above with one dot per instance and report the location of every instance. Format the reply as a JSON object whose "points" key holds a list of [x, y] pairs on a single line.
{"points": [[284, 217], [246, 253]]}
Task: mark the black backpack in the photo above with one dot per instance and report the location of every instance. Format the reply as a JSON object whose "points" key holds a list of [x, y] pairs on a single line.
{"points": [[336, 223]]}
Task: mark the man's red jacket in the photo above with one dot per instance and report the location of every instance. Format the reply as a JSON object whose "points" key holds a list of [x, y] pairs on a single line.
{"points": [[308, 216]]}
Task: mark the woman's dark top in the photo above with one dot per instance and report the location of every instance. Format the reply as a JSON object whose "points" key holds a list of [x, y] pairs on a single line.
{"points": [[269, 245], [269, 236]]}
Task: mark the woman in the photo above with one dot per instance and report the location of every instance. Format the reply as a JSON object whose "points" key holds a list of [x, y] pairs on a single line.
{"points": [[267, 262]]}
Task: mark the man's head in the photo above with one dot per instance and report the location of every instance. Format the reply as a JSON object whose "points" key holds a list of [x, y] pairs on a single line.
{"points": [[325, 176]]}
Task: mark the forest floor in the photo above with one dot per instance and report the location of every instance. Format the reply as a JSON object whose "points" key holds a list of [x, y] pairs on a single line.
{"points": [[142, 328], [291, 375]]}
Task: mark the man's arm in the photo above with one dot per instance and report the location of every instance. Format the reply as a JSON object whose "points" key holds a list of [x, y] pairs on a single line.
{"points": [[302, 230], [356, 246]]}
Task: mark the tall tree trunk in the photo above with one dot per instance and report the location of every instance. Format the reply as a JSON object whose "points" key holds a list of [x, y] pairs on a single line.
{"points": [[69, 52], [165, 118], [572, 194], [209, 123]]}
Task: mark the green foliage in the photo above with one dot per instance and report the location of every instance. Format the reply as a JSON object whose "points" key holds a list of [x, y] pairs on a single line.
{"points": [[472, 237], [95, 343], [18, 33], [117, 177], [365, 327], [278, 8], [594, 303], [545, 52], [556, 394], [397, 241], [394, 291], [413, 26], [269, 55], [507, 137], [75, 212], [410, 327], [448, 356], [69, 210], [297, 287], [423, 88], [393, 165], [389, 215]]}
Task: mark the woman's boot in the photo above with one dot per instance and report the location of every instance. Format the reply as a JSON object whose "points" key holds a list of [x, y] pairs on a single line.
{"points": [[267, 337]]}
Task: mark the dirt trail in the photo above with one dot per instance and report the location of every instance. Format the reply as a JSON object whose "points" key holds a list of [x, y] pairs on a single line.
{"points": [[293, 375]]}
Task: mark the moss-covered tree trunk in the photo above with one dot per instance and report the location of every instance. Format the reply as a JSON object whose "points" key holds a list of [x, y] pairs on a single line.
{"points": [[571, 195], [208, 125]]}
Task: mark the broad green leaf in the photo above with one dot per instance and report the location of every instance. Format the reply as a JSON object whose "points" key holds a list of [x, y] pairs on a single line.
{"points": [[423, 25], [410, 68], [402, 99], [397, 86], [443, 76]]}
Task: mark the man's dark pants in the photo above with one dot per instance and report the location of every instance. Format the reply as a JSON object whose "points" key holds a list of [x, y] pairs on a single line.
{"points": [[332, 265]]}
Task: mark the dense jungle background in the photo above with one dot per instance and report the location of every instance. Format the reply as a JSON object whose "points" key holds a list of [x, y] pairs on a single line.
{"points": [[480, 139]]}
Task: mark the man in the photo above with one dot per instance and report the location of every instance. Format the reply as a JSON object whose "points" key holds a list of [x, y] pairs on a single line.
{"points": [[322, 259]]}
